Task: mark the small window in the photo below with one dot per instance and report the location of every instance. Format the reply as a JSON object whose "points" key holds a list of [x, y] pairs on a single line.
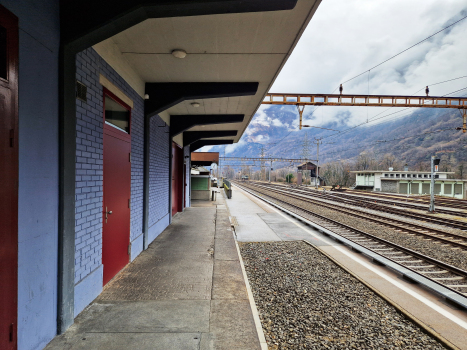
{"points": [[117, 115], [403, 175], [392, 175], [3, 54], [398, 175]]}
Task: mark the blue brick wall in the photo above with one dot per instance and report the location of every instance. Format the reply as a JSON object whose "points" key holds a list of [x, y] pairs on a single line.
{"points": [[158, 171], [89, 162], [38, 115]]}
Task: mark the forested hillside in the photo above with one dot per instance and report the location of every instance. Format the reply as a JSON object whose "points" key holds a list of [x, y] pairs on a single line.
{"points": [[409, 140]]}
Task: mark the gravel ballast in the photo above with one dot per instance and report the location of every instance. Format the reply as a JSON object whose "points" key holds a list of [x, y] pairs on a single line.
{"points": [[306, 301], [455, 257]]}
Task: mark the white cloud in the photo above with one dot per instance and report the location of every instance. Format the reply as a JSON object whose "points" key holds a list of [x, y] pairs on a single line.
{"points": [[345, 38], [204, 149]]}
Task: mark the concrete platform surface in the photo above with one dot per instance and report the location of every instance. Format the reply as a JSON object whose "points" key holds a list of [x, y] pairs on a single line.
{"points": [[186, 291]]}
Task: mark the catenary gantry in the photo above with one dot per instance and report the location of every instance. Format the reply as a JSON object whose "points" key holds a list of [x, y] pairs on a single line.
{"points": [[302, 100]]}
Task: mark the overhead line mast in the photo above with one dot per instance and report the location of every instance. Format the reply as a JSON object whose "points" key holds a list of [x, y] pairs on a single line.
{"points": [[302, 100]]}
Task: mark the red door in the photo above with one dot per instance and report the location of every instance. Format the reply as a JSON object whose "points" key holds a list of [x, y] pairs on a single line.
{"points": [[177, 178], [8, 178], [117, 194]]}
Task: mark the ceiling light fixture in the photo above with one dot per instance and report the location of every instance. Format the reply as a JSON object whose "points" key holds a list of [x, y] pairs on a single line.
{"points": [[195, 104], [178, 53]]}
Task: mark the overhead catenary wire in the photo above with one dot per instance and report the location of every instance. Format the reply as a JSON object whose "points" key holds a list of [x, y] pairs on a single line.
{"points": [[394, 56]]}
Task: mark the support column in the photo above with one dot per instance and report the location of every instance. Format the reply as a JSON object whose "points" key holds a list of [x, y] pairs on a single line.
{"points": [[66, 218]]}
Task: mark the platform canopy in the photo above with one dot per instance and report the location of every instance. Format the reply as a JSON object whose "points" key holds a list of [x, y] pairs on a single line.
{"points": [[204, 158], [248, 47]]}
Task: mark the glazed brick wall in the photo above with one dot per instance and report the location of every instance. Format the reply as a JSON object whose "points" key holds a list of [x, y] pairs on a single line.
{"points": [[89, 162], [158, 170]]}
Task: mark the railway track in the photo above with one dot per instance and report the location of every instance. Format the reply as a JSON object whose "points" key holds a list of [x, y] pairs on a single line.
{"points": [[448, 276], [440, 236], [420, 203], [370, 205]]}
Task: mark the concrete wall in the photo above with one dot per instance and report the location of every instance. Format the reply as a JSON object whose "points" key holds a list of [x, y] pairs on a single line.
{"points": [[389, 186], [38, 170], [89, 174]]}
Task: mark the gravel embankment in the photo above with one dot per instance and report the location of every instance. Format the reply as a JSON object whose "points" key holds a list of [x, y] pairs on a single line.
{"points": [[305, 301], [455, 257]]}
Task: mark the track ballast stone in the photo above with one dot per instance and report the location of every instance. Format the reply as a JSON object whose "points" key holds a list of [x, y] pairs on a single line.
{"points": [[306, 301], [431, 248]]}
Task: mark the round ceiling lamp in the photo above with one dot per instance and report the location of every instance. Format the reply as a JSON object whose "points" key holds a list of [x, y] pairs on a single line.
{"points": [[195, 104], [178, 53]]}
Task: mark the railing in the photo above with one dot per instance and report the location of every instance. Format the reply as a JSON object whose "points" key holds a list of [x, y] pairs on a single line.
{"points": [[227, 188]]}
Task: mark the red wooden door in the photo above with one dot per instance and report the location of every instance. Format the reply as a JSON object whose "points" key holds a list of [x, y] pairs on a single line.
{"points": [[177, 178], [117, 194], [8, 178]]}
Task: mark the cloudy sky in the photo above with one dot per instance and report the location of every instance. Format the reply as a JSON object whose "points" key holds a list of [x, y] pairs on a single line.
{"points": [[348, 37]]}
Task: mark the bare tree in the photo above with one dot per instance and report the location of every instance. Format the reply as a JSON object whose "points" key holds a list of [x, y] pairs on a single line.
{"points": [[337, 173], [389, 161], [460, 171], [365, 161]]}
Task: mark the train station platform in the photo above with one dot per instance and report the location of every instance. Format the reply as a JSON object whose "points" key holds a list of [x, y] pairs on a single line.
{"points": [[256, 221], [186, 291]]}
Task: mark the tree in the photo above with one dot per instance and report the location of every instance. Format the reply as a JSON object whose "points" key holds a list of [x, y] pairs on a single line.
{"points": [[389, 161], [364, 161], [289, 177], [460, 171], [337, 173]]}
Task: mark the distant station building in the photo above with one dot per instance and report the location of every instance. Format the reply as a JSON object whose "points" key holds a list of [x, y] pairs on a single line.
{"points": [[200, 179], [308, 171], [410, 182]]}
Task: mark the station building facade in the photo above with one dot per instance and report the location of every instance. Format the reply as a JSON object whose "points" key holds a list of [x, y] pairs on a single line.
{"points": [[410, 182], [100, 115]]}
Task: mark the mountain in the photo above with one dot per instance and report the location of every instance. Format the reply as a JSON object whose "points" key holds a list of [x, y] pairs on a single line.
{"points": [[412, 139]]}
